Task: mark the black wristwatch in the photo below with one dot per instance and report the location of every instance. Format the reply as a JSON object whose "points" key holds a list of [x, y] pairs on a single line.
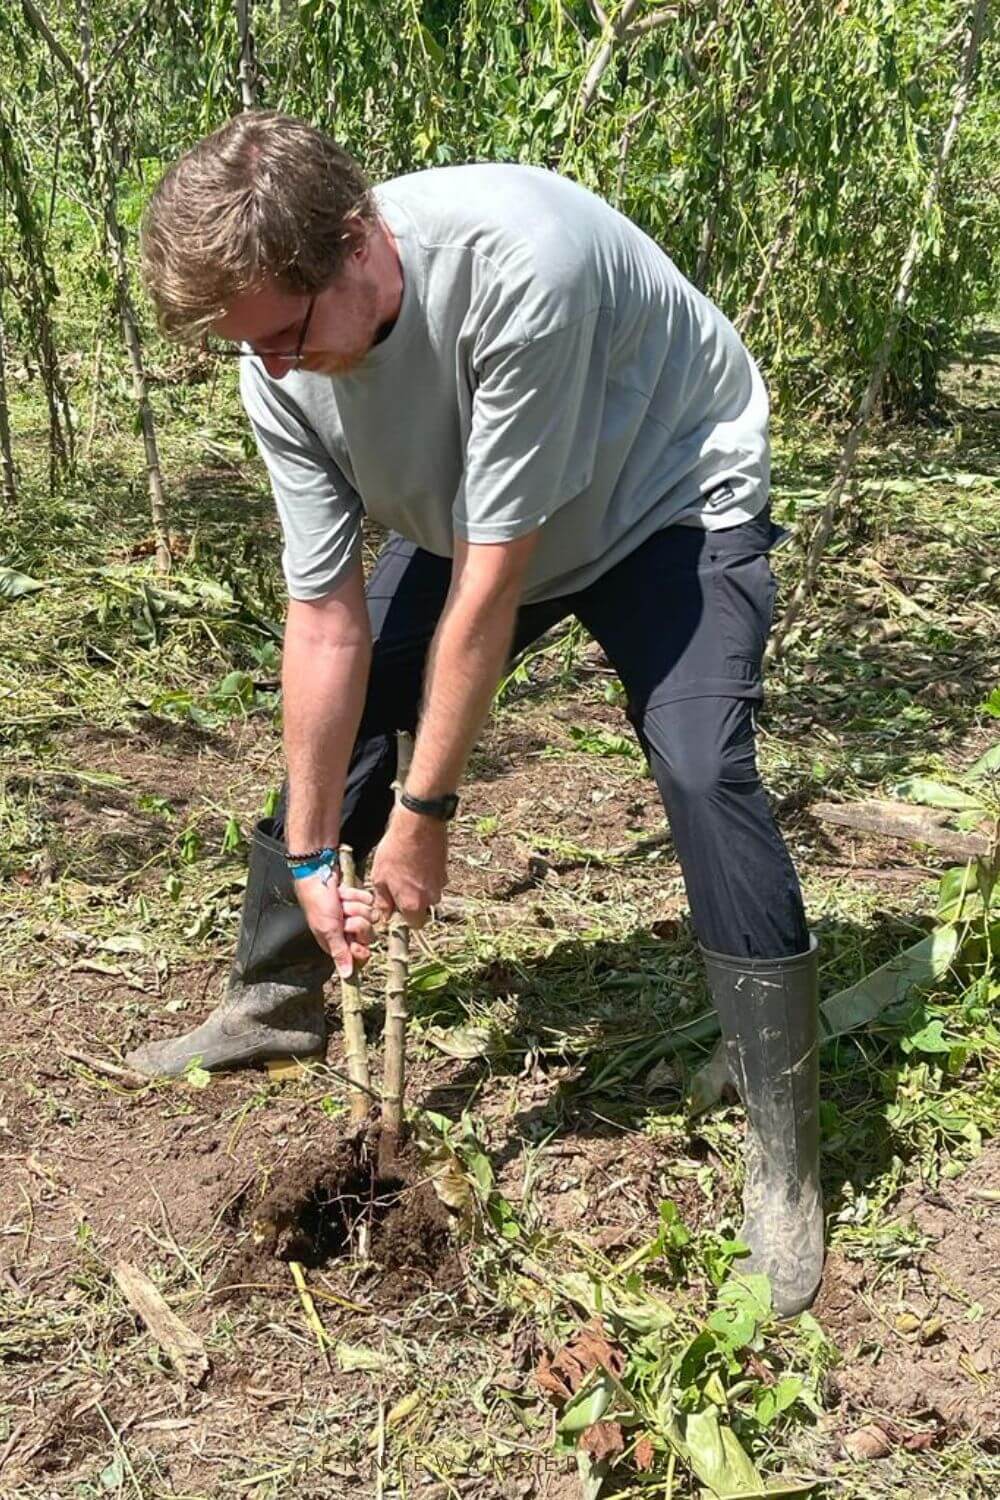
{"points": [[443, 808]]}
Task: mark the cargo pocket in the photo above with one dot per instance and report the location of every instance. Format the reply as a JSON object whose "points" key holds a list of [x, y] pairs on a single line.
{"points": [[745, 589]]}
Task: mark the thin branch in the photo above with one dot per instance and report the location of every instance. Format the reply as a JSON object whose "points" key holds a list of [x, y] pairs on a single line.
{"points": [[654, 21], [614, 29], [121, 44], [55, 46]]}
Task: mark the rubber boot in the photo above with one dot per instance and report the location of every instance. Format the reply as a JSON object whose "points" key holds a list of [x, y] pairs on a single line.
{"points": [[770, 1018], [274, 999]]}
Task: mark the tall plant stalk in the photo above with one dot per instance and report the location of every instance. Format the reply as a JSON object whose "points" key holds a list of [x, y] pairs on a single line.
{"points": [[37, 291], [8, 479], [95, 121], [352, 1011], [245, 72], [396, 1015]]}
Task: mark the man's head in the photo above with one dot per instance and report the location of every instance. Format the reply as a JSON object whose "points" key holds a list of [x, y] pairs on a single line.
{"points": [[262, 233]]}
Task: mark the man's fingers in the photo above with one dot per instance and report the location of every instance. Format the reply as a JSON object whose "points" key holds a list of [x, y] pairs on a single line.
{"points": [[340, 952], [415, 919], [352, 895]]}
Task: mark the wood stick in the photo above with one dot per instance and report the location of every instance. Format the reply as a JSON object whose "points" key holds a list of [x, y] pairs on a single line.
{"points": [[184, 1349], [901, 820], [394, 1066], [355, 1041]]}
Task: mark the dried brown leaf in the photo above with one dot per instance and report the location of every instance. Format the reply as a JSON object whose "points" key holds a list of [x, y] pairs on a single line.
{"points": [[918, 1441], [644, 1454], [563, 1373], [549, 1382], [602, 1440]]}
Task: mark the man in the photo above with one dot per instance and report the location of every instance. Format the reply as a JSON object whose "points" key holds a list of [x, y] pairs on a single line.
{"points": [[549, 420]]}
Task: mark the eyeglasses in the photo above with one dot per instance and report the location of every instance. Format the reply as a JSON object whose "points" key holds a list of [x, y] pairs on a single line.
{"points": [[229, 350]]}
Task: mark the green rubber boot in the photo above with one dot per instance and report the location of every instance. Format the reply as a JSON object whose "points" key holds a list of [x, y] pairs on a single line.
{"points": [[769, 1009], [274, 999]]}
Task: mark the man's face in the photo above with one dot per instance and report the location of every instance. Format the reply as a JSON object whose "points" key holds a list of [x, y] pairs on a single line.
{"points": [[341, 327]]}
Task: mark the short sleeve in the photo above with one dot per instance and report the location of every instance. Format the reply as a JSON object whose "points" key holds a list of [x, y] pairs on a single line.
{"points": [[319, 511], [536, 421]]}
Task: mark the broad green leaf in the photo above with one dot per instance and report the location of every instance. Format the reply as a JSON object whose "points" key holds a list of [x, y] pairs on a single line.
{"points": [[463, 1042], [991, 705], [926, 962], [988, 762], [934, 794], [717, 1456], [197, 1077], [591, 1475], [426, 977], [743, 1304], [588, 1405], [13, 585], [930, 1040]]}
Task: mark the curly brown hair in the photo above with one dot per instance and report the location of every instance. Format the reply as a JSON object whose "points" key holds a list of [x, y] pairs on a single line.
{"points": [[266, 199]]}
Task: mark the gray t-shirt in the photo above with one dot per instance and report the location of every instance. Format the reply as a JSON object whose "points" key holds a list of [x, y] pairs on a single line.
{"points": [[550, 367]]}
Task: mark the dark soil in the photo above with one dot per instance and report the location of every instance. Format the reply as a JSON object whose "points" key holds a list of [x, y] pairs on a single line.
{"points": [[341, 1209], [926, 1344]]}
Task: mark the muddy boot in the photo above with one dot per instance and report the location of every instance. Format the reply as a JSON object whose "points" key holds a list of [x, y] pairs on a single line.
{"points": [[274, 1000], [770, 1016]]}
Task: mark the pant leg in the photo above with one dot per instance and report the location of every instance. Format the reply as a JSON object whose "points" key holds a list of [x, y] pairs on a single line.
{"points": [[684, 621], [405, 593]]}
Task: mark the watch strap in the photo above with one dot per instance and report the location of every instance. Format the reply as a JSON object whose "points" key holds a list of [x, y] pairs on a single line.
{"points": [[442, 808]]}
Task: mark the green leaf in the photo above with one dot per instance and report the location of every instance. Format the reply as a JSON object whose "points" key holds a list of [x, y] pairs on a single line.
{"points": [[13, 585], [925, 963], [463, 1042], [603, 742], [991, 705], [197, 1076], [989, 761], [588, 1405], [113, 1477], [934, 793], [427, 977], [717, 1456]]}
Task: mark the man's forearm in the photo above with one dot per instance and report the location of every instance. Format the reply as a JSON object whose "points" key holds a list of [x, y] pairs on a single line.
{"points": [[468, 654], [324, 679]]}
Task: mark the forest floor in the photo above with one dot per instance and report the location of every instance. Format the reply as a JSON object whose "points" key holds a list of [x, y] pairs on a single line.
{"points": [[558, 1009]]}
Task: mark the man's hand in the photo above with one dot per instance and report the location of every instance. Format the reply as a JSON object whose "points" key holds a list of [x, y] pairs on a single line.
{"points": [[410, 868], [340, 918]]}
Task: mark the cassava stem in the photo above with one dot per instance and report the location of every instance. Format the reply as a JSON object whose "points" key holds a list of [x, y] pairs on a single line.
{"points": [[394, 1071], [355, 1042]]}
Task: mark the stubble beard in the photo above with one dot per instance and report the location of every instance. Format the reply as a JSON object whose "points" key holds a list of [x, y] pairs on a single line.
{"points": [[343, 361]]}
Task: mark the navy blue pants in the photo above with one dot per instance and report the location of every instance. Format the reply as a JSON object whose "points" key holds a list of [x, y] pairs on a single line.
{"points": [[684, 621]]}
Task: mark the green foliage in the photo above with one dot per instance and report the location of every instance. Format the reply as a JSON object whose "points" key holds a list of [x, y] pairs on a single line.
{"points": [[805, 129]]}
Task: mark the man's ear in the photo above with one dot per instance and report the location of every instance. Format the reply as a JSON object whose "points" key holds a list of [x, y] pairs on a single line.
{"points": [[358, 231]]}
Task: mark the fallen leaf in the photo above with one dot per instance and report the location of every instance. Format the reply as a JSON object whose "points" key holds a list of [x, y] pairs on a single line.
{"points": [[462, 1042], [918, 1441], [563, 1373], [867, 1442], [602, 1440], [645, 1454]]}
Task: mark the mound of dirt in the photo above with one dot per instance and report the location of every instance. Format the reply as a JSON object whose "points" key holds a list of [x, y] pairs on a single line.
{"points": [[340, 1209], [925, 1343]]}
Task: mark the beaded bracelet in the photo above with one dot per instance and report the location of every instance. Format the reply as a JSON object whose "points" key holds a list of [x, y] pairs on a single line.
{"points": [[304, 865]]}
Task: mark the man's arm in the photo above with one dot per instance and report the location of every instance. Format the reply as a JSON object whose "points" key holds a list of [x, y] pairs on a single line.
{"points": [[467, 656], [327, 654]]}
